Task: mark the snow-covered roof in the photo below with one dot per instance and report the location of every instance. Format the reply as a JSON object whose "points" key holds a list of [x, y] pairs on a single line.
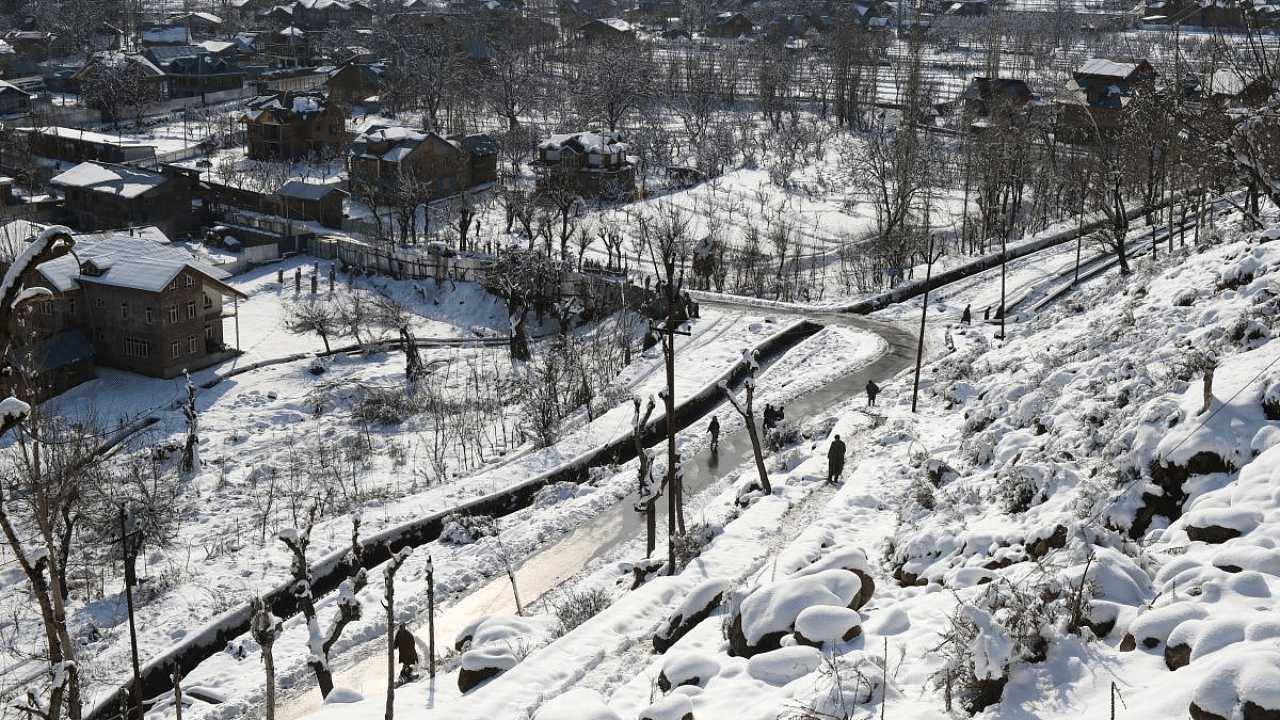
{"points": [[287, 106], [119, 180], [117, 258], [307, 191], [1107, 68], [605, 143], [174, 35], [215, 47]]}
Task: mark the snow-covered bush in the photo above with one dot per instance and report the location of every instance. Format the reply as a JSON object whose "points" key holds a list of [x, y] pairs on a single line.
{"points": [[462, 529], [385, 405], [574, 607]]}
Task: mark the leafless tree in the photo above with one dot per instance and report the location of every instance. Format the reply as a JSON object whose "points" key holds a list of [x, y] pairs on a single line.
{"points": [[321, 317], [349, 608], [611, 80]]}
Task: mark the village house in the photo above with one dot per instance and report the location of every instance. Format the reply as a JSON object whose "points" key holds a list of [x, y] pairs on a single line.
{"points": [[353, 83], [288, 125], [1097, 98], [592, 164], [14, 100], [729, 25], [144, 81], [102, 196], [297, 200], [605, 30], [192, 71], [996, 102], [384, 153], [324, 14], [129, 301]]}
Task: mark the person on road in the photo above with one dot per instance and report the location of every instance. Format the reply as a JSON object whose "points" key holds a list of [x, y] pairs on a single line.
{"points": [[835, 460], [407, 648], [966, 316], [872, 390], [714, 429]]}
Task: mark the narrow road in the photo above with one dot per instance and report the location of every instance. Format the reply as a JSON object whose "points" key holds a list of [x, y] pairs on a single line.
{"points": [[559, 560]]}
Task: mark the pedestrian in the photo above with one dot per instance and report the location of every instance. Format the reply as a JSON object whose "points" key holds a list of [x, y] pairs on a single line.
{"points": [[714, 429], [407, 648], [986, 314], [768, 416], [872, 390], [965, 317], [835, 460]]}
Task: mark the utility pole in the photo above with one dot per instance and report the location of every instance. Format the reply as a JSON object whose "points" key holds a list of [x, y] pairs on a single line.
{"points": [[668, 331]]}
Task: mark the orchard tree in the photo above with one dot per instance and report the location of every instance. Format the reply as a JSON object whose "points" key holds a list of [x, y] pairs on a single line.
{"points": [[349, 607]]}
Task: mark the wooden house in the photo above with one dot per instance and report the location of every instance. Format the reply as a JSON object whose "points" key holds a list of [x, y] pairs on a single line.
{"points": [[1096, 100], [322, 203], [191, 71], [729, 25], [605, 30], [14, 100], [102, 196], [592, 164], [290, 124], [351, 83], [996, 102], [137, 302], [385, 153]]}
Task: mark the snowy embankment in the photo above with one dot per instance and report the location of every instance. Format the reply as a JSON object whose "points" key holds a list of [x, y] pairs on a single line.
{"points": [[267, 399], [1066, 521]]}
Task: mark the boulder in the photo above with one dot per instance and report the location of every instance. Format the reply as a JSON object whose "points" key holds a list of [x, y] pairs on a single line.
{"points": [[697, 606], [483, 663]]}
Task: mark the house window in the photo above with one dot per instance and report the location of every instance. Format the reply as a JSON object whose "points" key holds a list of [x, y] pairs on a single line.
{"points": [[173, 313], [173, 285], [191, 309], [124, 311], [150, 315], [175, 349], [71, 305], [137, 348], [190, 281], [46, 308], [208, 302], [193, 344], [102, 303]]}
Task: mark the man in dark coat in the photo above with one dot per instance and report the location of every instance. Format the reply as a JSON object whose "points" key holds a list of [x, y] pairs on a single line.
{"points": [[407, 649], [965, 316], [714, 429], [835, 460], [872, 390]]}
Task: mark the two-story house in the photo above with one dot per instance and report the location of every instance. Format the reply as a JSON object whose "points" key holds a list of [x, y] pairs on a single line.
{"points": [[996, 102], [288, 125], [1096, 100], [102, 196], [592, 164], [144, 304], [129, 301], [385, 153], [352, 83]]}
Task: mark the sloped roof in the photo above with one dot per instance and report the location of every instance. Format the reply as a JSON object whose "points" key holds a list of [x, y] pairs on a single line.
{"points": [[299, 190], [131, 261], [287, 106], [1104, 67], [605, 143], [111, 179]]}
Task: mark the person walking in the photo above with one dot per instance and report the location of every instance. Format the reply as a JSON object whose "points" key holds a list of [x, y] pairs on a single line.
{"points": [[966, 316], [714, 429], [872, 390], [835, 460], [407, 649]]}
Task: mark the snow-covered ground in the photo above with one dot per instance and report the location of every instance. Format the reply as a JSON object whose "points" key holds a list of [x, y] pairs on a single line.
{"points": [[991, 524]]}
